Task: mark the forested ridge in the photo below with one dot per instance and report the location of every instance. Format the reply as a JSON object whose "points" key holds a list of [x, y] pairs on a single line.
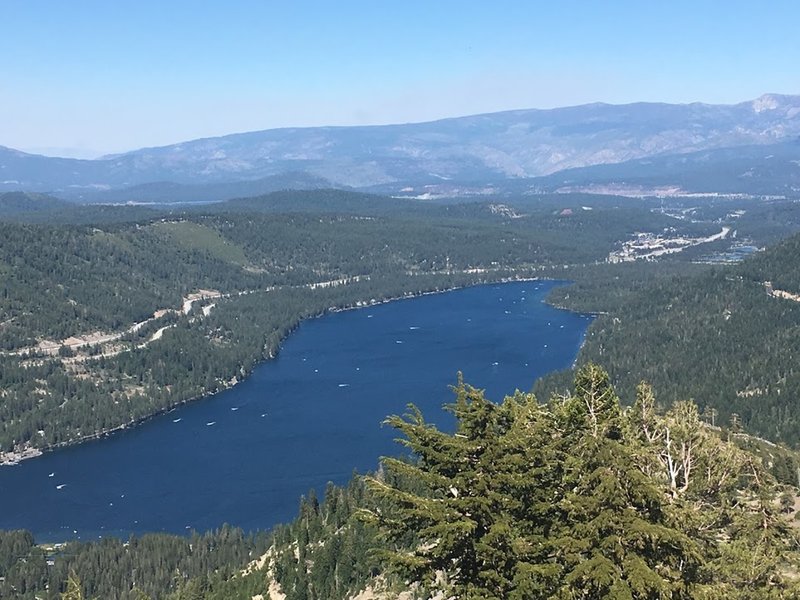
{"points": [[721, 336], [577, 497]]}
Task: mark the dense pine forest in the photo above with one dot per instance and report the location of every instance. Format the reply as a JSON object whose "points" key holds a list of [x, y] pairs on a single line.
{"points": [[103, 309], [727, 337]]}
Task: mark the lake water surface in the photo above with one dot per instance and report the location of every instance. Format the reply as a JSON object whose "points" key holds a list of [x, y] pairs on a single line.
{"points": [[310, 416]]}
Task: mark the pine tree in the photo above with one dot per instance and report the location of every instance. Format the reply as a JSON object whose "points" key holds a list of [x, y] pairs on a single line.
{"points": [[616, 539], [525, 501], [459, 528]]}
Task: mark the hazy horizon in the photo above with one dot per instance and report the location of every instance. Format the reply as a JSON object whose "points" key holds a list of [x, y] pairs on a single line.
{"points": [[90, 154], [98, 78]]}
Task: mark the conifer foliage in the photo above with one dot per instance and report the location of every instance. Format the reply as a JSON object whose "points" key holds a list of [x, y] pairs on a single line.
{"points": [[580, 498]]}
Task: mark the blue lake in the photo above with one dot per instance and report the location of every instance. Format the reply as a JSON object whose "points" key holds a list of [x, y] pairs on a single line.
{"points": [[310, 416]]}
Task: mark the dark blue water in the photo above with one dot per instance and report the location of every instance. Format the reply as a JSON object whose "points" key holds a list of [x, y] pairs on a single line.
{"points": [[312, 415]]}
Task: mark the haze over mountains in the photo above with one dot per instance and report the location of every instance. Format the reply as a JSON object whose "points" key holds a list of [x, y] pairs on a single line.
{"points": [[456, 156]]}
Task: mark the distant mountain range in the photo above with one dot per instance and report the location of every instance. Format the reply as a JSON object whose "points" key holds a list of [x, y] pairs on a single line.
{"points": [[464, 155], [770, 169]]}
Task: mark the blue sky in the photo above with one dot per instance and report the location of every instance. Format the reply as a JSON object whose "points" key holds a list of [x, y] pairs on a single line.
{"points": [[91, 76]]}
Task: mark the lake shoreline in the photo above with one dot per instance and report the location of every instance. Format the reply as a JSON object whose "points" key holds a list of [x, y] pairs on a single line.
{"points": [[15, 457], [310, 417]]}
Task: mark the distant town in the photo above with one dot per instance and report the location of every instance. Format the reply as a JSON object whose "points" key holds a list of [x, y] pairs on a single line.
{"points": [[648, 246]]}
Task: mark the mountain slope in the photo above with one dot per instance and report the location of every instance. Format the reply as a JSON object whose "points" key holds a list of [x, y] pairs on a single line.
{"points": [[772, 169], [18, 203], [513, 144], [727, 337]]}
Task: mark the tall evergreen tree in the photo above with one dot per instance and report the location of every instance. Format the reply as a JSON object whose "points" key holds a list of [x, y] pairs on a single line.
{"points": [[579, 499]]}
